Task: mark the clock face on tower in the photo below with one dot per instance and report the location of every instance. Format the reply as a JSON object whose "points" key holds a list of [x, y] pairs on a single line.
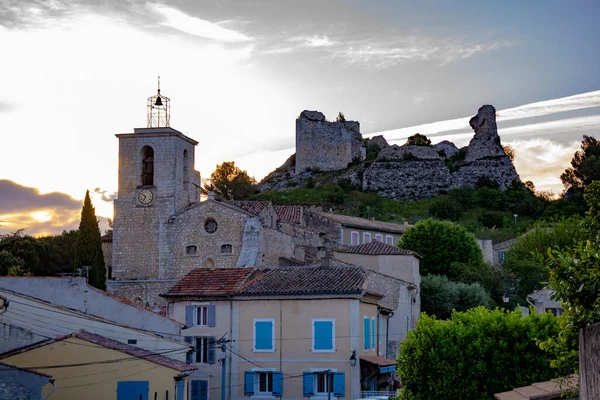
{"points": [[146, 196]]}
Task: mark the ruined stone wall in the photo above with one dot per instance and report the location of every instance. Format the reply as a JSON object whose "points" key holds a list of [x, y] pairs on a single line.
{"points": [[328, 146], [275, 244], [142, 292]]}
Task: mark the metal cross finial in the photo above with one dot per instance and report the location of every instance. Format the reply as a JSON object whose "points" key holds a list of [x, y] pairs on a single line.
{"points": [[159, 85]]}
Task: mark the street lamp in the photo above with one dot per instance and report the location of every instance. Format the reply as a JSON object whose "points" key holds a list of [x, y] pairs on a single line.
{"points": [[515, 215], [353, 359], [505, 298]]}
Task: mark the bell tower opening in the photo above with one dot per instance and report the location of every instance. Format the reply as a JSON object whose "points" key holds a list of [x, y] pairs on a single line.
{"points": [[147, 166]]}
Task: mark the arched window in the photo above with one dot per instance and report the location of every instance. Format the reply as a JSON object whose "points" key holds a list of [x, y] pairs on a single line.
{"points": [[147, 166], [185, 166], [210, 263]]}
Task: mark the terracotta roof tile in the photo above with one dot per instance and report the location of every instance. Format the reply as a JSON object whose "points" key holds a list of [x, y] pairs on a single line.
{"points": [[253, 207], [376, 248], [212, 282], [308, 280], [134, 351], [289, 213], [542, 390], [379, 361], [364, 223]]}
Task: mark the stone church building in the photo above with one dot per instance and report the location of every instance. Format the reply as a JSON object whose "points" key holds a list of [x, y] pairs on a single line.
{"points": [[162, 231]]}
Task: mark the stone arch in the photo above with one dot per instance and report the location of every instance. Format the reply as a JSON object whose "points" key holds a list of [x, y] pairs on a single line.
{"points": [[147, 166], [210, 263]]}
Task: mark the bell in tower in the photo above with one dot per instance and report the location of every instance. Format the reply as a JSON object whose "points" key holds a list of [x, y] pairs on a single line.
{"points": [[159, 110]]}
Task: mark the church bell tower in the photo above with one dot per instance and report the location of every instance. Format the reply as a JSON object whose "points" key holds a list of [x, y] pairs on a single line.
{"points": [[156, 180]]}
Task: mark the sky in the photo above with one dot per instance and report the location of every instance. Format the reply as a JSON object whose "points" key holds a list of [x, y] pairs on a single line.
{"points": [[238, 73]]}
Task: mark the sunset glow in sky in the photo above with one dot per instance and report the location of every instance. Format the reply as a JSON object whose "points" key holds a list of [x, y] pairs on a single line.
{"points": [[75, 73]]}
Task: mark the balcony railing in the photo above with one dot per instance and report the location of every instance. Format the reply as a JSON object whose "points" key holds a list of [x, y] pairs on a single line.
{"points": [[377, 395]]}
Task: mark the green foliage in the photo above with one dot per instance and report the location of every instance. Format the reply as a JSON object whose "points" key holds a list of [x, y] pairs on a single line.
{"points": [[373, 151], [592, 198], [585, 165], [440, 296], [491, 219], [18, 270], [89, 245], [491, 199], [454, 161], [440, 243], [444, 207], [338, 196], [418, 140], [310, 182], [230, 183], [340, 117], [474, 355], [8, 260]]}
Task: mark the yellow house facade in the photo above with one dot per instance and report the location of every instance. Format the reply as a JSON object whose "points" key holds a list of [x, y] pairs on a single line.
{"points": [[92, 367]]}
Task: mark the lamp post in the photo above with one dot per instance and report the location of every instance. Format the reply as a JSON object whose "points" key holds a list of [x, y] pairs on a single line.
{"points": [[515, 215], [353, 358]]}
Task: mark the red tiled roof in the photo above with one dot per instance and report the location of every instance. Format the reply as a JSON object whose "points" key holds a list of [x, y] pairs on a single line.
{"points": [[289, 213], [212, 282], [308, 280], [376, 248], [134, 351], [253, 207], [543, 390], [379, 361]]}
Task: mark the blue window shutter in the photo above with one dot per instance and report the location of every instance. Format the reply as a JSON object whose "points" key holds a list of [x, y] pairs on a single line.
{"points": [[264, 335], [211, 315], [180, 390], [366, 338], [203, 390], [189, 357], [195, 390], [211, 349], [373, 333], [248, 383], [133, 390], [323, 339], [339, 384], [308, 384], [189, 315], [277, 384]]}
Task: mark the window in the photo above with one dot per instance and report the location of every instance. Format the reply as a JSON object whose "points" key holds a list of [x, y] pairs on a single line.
{"points": [[373, 333], [200, 315], [389, 239], [379, 237], [366, 333], [147, 166], [210, 226], [261, 382], [501, 256], [354, 238], [203, 349], [199, 390], [366, 237], [380, 328], [264, 335], [323, 335], [191, 250], [226, 249], [131, 341], [319, 382]]}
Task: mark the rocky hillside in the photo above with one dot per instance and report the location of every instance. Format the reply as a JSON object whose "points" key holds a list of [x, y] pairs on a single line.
{"points": [[411, 172]]}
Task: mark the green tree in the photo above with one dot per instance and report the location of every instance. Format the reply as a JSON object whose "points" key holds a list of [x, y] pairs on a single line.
{"points": [[585, 165], [418, 140], [89, 245], [340, 117], [7, 261], [474, 355], [441, 243], [230, 183], [18, 270], [440, 296], [592, 198]]}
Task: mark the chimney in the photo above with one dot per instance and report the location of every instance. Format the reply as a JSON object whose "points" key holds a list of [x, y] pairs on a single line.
{"points": [[322, 256]]}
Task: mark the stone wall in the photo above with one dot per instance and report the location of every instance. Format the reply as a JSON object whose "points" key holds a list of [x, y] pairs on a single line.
{"points": [[324, 145], [20, 385], [145, 293]]}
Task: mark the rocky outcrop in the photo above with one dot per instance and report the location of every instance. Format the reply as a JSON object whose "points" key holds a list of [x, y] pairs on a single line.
{"points": [[486, 142], [405, 172]]}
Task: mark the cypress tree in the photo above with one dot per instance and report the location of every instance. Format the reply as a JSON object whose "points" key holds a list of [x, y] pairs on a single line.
{"points": [[89, 245]]}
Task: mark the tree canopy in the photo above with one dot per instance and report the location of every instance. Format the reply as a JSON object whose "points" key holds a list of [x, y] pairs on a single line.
{"points": [[440, 296], [418, 140], [340, 117], [441, 243], [89, 245], [585, 165], [230, 183], [474, 355]]}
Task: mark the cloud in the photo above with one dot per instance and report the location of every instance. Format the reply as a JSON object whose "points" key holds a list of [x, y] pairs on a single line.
{"points": [[105, 195], [195, 26], [312, 41], [26, 207], [542, 161]]}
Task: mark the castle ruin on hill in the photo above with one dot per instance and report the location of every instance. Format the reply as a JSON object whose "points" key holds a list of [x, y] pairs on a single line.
{"points": [[405, 172]]}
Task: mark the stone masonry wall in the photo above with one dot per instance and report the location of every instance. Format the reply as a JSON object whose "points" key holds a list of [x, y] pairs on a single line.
{"points": [[328, 146]]}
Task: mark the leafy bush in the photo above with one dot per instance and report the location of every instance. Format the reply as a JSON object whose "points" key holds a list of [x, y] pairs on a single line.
{"points": [[474, 355], [491, 219], [440, 296], [310, 182], [337, 196], [373, 151], [440, 243], [445, 208]]}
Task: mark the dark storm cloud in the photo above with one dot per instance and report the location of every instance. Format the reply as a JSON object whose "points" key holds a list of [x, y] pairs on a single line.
{"points": [[18, 198]]}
